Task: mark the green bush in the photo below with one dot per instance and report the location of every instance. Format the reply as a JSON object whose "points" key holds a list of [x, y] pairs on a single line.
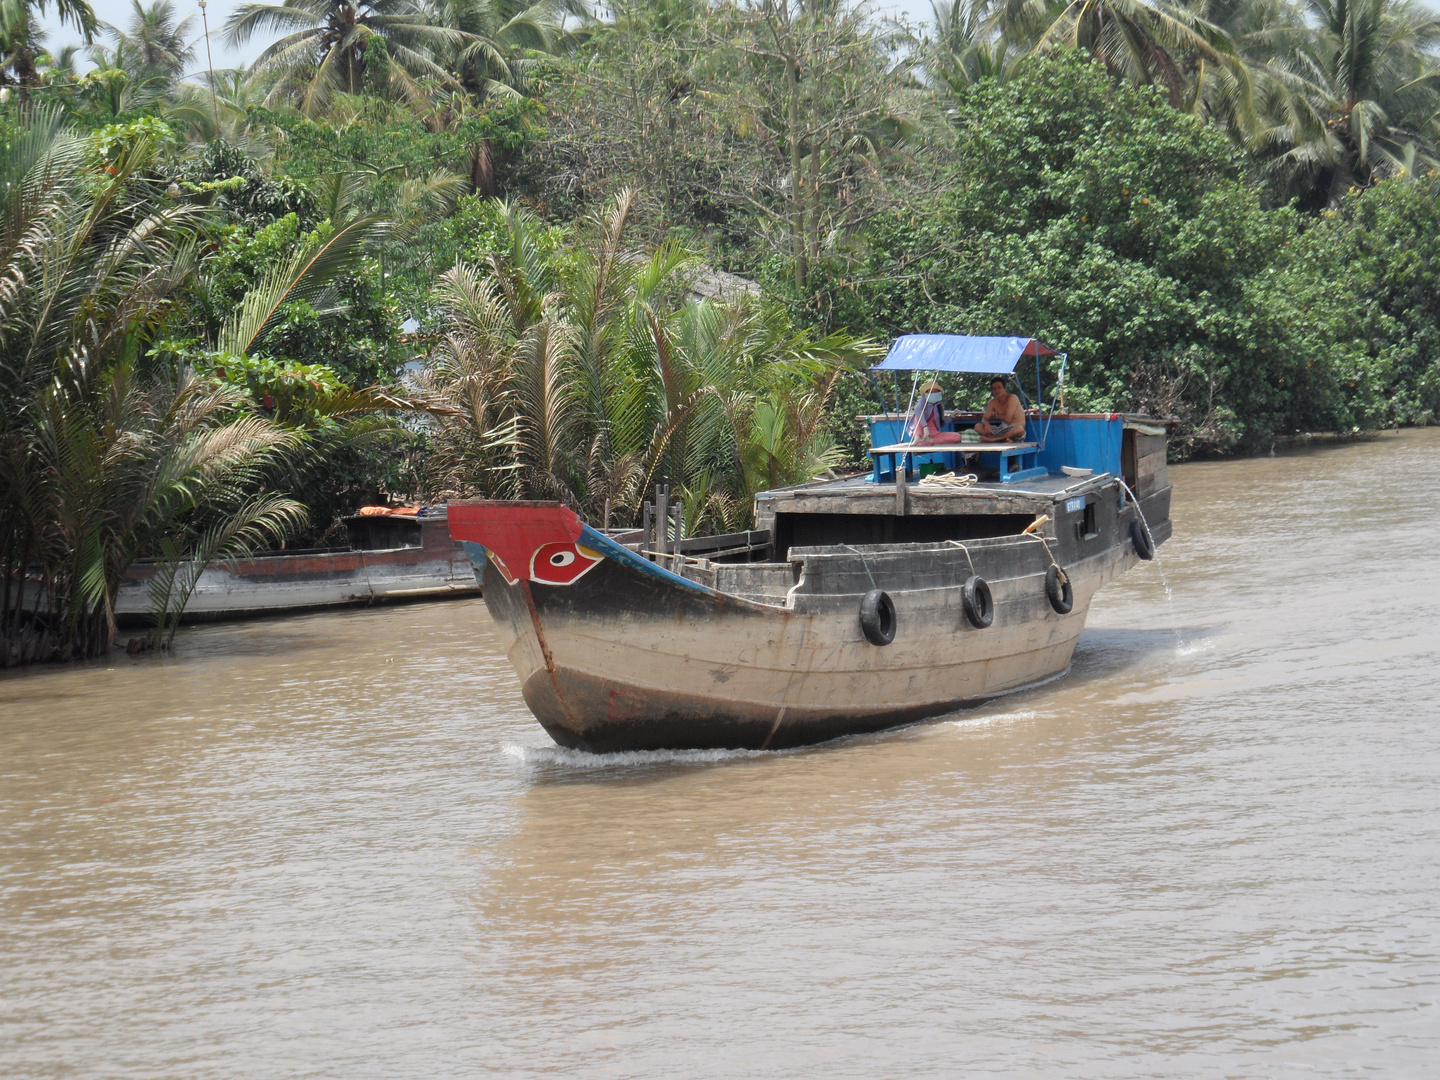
{"points": [[1089, 213]]}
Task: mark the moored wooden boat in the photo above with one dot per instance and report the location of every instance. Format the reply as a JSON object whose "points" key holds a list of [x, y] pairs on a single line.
{"points": [[391, 558]]}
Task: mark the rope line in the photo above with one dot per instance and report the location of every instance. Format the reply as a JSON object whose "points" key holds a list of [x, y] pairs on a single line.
{"points": [[1046, 545], [863, 563], [963, 548]]}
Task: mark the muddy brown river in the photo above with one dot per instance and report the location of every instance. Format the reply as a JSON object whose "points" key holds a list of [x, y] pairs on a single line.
{"points": [[338, 845]]}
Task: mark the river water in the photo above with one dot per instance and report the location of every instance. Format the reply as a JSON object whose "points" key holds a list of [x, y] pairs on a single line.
{"points": [[338, 846]]}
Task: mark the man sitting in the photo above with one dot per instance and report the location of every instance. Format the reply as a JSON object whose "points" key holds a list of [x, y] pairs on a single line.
{"points": [[1004, 418]]}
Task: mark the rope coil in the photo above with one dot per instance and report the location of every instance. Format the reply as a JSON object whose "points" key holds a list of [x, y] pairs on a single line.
{"points": [[950, 480]]}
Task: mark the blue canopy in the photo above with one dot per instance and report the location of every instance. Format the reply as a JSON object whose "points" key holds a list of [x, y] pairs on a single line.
{"points": [[960, 352]]}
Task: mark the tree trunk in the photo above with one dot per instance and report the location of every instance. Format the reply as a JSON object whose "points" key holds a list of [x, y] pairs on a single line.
{"points": [[482, 169], [797, 197], [22, 62]]}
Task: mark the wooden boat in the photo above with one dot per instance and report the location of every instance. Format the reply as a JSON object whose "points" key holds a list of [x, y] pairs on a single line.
{"points": [[854, 605], [392, 557]]}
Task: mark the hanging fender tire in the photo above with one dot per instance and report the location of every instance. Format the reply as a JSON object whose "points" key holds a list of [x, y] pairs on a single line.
{"points": [[1140, 537], [979, 604], [877, 617], [1058, 590]]}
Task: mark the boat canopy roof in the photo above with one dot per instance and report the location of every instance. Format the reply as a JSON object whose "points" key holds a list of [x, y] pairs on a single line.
{"points": [[961, 353]]}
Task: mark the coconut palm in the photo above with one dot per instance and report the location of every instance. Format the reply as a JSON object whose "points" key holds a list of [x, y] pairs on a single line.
{"points": [[114, 85], [1356, 99], [975, 40], [1147, 41], [21, 36], [335, 45], [156, 45], [218, 108], [494, 57], [1226, 92]]}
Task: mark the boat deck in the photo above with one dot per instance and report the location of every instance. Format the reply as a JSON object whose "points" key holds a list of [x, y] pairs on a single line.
{"points": [[853, 510], [933, 495]]}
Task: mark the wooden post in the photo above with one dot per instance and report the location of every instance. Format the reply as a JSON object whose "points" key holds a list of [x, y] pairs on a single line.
{"points": [[646, 520], [679, 535], [662, 518], [900, 484]]}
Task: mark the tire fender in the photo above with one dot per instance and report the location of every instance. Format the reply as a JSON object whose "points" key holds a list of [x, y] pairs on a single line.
{"points": [[1140, 537], [877, 617], [1058, 590], [979, 604]]}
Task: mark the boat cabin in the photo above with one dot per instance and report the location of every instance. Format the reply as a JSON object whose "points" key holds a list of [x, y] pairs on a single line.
{"points": [[951, 488]]}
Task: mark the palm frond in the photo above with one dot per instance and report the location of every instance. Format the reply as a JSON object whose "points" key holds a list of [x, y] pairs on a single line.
{"points": [[302, 277]]}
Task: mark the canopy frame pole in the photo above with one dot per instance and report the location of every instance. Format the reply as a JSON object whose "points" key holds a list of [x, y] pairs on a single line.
{"points": [[1019, 387], [1059, 396], [879, 394], [905, 417], [1040, 399]]}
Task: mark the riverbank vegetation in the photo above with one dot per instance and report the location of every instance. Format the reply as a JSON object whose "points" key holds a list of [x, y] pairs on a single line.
{"points": [[432, 248]]}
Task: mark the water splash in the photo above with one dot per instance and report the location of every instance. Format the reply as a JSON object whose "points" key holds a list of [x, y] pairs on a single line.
{"points": [[990, 721], [1180, 643]]}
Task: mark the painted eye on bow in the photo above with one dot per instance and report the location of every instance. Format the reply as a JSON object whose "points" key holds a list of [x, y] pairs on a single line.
{"points": [[562, 564]]}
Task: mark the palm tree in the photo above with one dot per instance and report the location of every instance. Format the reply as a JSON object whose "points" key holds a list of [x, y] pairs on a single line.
{"points": [[975, 40], [218, 107], [109, 85], [156, 45], [333, 45], [1147, 41], [1356, 99], [102, 460], [21, 36], [585, 381], [109, 453], [496, 56], [491, 58]]}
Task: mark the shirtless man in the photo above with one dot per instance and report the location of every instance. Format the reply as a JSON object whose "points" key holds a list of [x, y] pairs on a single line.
{"points": [[1003, 419]]}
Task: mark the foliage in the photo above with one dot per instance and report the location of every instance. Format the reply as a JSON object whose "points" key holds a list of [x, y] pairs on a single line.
{"points": [[22, 40], [1366, 281], [1222, 211], [1093, 215], [382, 159], [584, 376], [399, 46], [1356, 100], [773, 127], [240, 190], [100, 461]]}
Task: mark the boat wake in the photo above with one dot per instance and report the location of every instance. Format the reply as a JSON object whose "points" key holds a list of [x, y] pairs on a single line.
{"points": [[994, 718], [560, 757]]}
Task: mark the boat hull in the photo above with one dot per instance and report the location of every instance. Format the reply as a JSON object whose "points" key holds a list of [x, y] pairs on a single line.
{"points": [[632, 657], [284, 582]]}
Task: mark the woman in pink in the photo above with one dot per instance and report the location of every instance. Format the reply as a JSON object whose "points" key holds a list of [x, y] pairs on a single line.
{"points": [[928, 417]]}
